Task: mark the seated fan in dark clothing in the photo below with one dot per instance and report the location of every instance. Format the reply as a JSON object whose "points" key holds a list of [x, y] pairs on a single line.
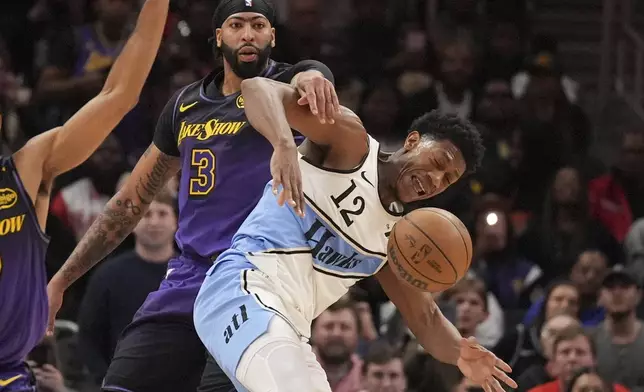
{"points": [[521, 347], [565, 228], [120, 285]]}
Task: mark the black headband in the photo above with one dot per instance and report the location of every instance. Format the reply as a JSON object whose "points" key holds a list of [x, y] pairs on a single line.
{"points": [[230, 7]]}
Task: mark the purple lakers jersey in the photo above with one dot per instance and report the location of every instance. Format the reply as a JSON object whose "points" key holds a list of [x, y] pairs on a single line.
{"points": [[225, 162], [23, 279]]}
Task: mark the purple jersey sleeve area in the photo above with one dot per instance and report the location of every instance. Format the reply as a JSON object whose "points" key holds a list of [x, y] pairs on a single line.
{"points": [[164, 137], [286, 75]]}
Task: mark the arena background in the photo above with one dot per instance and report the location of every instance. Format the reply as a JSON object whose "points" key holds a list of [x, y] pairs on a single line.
{"points": [[555, 87]]}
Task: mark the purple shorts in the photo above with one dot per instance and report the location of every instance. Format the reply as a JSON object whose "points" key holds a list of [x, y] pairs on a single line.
{"points": [[178, 290]]}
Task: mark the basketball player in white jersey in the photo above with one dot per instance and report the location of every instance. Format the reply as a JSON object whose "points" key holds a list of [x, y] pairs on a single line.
{"points": [[255, 308]]}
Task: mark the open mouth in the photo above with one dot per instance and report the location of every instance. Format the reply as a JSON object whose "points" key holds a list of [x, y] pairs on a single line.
{"points": [[418, 186], [248, 54]]}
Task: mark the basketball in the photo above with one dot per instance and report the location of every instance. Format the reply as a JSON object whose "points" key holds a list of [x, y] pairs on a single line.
{"points": [[430, 249]]}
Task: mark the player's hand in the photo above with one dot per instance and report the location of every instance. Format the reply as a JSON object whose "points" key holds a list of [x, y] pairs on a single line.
{"points": [[482, 367], [319, 94], [49, 378], [285, 170], [55, 297]]}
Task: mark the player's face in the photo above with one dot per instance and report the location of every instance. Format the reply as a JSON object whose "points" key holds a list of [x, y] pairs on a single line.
{"points": [[429, 167], [246, 40]]}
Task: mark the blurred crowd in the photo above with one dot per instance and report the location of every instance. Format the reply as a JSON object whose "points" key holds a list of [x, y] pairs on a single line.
{"points": [[555, 283]]}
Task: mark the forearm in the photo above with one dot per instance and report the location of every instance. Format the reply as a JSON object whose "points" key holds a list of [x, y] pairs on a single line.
{"points": [[131, 68], [264, 107], [110, 228], [120, 216], [439, 337]]}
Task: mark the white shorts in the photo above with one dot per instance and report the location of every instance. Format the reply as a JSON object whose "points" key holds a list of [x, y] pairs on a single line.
{"points": [[251, 341]]}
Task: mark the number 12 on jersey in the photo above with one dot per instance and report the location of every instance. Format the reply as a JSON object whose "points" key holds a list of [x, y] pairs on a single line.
{"points": [[202, 172]]}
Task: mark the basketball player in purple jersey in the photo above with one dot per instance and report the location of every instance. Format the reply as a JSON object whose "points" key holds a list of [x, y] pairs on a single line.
{"points": [[225, 164], [26, 179]]}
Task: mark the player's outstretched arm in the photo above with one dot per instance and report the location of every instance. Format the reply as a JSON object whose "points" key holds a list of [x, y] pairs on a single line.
{"points": [[441, 338], [63, 148], [434, 332], [118, 219]]}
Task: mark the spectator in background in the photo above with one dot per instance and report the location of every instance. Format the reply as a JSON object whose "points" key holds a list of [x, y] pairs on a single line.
{"points": [[620, 338], [78, 62], [634, 247], [43, 360], [383, 370], [380, 110], [587, 379], [545, 55], [572, 350], [504, 54], [617, 198], [509, 275], [334, 335], [119, 286], [520, 347], [497, 116], [565, 227], [587, 275], [451, 92], [469, 297], [543, 371]]}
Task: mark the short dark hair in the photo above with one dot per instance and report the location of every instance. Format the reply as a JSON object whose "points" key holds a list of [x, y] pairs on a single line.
{"points": [[462, 133], [570, 333], [380, 352], [344, 303], [583, 371], [468, 285]]}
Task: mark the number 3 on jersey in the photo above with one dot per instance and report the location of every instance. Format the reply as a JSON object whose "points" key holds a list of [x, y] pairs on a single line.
{"points": [[202, 172]]}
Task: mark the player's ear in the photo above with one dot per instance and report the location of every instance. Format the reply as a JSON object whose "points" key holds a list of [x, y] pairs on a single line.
{"points": [[412, 140], [272, 37], [218, 37]]}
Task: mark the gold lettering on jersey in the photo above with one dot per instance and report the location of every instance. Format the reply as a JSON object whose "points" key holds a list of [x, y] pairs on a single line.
{"points": [[12, 225], [240, 102], [207, 130], [0, 265], [8, 198]]}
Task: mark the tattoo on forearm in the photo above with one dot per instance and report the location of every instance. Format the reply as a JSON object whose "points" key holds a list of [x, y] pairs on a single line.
{"points": [[148, 187], [117, 221]]}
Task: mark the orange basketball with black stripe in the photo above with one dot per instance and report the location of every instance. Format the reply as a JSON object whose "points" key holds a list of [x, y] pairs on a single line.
{"points": [[430, 249]]}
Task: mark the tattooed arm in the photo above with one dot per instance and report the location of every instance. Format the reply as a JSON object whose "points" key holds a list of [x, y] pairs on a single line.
{"points": [[118, 219]]}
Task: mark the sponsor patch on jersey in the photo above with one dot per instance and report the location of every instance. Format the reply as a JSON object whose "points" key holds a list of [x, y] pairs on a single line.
{"points": [[8, 198]]}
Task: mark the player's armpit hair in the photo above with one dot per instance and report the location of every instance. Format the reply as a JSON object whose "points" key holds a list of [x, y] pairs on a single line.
{"points": [[462, 133]]}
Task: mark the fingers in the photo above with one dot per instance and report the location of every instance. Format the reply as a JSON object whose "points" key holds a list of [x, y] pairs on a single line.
{"points": [[330, 108], [486, 387], [503, 366], [500, 375], [298, 193], [320, 94], [312, 99], [495, 385], [277, 182]]}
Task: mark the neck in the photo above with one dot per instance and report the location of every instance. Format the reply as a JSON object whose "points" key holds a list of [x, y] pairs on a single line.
{"points": [[155, 255], [623, 328], [232, 82], [566, 214], [335, 373], [387, 170], [588, 301]]}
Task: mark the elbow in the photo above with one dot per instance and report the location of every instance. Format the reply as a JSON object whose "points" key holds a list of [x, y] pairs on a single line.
{"points": [[252, 84]]}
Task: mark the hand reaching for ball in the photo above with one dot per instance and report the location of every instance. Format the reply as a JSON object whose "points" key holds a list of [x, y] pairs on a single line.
{"points": [[482, 367]]}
